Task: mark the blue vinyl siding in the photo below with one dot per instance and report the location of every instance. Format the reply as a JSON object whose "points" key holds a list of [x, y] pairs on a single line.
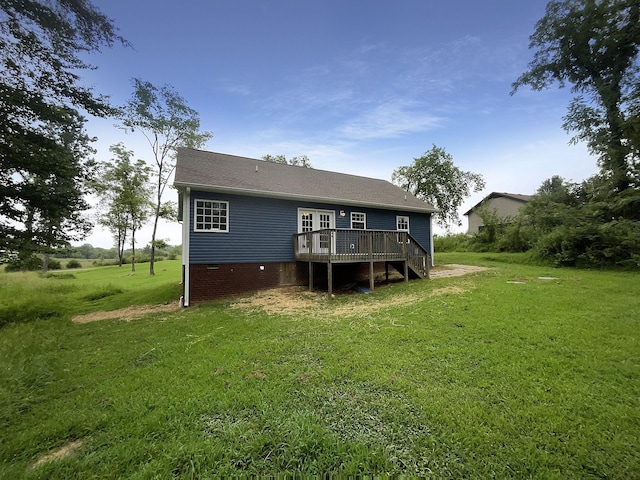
{"points": [[261, 229]]}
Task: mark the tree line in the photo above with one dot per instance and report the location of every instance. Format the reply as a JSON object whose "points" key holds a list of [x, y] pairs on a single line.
{"points": [[592, 46], [75, 257], [564, 224]]}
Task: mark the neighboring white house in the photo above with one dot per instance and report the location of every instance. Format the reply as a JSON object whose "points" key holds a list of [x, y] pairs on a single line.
{"points": [[504, 204]]}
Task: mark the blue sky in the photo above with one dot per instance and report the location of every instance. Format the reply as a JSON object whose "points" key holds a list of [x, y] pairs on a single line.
{"points": [[359, 86]]}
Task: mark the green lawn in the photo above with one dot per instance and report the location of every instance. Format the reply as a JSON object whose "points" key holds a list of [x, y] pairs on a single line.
{"points": [[498, 374]]}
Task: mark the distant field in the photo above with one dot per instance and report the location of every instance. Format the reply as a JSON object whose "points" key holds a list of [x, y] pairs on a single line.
{"points": [[518, 371], [63, 293], [83, 262]]}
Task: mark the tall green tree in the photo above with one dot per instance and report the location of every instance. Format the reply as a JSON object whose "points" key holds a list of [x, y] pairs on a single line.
{"points": [[45, 153], [434, 178], [593, 46], [162, 116], [298, 161], [125, 192]]}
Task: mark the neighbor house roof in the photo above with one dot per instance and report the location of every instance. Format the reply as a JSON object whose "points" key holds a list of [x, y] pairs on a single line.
{"points": [[220, 172], [513, 196]]}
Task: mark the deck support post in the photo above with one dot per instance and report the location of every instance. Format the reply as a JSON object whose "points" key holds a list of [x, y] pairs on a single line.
{"points": [[310, 250], [371, 277], [328, 246]]}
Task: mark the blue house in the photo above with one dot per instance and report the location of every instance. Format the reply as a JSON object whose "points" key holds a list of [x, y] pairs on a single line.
{"points": [[248, 225]]}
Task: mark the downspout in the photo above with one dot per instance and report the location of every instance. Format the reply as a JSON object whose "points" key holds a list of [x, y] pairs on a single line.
{"points": [[186, 229], [431, 238]]}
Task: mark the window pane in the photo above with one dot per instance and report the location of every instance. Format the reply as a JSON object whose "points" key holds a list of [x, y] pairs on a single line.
{"points": [[358, 220]]}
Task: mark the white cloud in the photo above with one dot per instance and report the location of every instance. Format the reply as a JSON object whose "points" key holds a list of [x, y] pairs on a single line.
{"points": [[390, 120]]}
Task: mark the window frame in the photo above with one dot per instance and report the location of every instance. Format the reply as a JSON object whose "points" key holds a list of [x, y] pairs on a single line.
{"points": [[404, 219], [203, 201], [363, 221]]}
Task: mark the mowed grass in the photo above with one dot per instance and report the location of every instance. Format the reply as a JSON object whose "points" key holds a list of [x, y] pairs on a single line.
{"points": [[498, 374]]}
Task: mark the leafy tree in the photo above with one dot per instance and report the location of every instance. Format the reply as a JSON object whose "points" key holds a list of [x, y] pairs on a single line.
{"points": [[86, 251], [165, 120], [115, 219], [593, 45], [124, 190], [299, 161], [553, 205], [434, 178], [44, 150]]}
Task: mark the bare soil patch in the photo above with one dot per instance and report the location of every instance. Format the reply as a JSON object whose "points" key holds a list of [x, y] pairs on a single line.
{"points": [[63, 452], [454, 270], [127, 314]]}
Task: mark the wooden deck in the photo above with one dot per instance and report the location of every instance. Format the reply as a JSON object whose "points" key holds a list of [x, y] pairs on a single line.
{"points": [[330, 246]]}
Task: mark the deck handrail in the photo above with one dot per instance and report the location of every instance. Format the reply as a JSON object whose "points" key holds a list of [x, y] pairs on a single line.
{"points": [[341, 245]]}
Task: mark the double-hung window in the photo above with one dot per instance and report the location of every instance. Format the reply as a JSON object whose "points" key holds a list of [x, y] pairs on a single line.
{"points": [[402, 223], [211, 216], [358, 221]]}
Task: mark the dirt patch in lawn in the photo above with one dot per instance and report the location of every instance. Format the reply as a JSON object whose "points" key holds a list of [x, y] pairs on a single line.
{"points": [[59, 454], [127, 314], [454, 270]]}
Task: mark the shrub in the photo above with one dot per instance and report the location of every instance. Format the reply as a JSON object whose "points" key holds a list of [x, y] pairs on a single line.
{"points": [[54, 264], [74, 264], [17, 264], [457, 242]]}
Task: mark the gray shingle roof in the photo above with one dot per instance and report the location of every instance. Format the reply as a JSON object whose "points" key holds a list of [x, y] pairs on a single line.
{"points": [[514, 196], [220, 172]]}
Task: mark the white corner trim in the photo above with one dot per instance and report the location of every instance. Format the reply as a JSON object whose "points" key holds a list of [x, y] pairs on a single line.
{"points": [[186, 226]]}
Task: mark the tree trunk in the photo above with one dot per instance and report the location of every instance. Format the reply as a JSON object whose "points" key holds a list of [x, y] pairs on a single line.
{"points": [[615, 160], [45, 263], [121, 242], [153, 239], [133, 250]]}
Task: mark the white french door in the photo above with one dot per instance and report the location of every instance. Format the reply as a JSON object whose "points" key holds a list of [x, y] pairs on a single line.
{"points": [[310, 220]]}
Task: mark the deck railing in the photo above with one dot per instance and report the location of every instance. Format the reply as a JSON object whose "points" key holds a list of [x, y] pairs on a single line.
{"points": [[352, 246]]}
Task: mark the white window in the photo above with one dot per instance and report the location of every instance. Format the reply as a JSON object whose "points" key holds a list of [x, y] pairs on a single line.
{"points": [[358, 221], [211, 216], [402, 223]]}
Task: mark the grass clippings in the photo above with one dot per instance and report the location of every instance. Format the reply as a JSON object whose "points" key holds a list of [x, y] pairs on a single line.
{"points": [[296, 301]]}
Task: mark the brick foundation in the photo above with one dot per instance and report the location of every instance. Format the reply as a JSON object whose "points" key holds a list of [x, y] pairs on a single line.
{"points": [[211, 282]]}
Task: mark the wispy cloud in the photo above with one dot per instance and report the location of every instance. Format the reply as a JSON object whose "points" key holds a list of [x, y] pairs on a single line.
{"points": [[235, 88], [390, 120], [377, 90]]}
